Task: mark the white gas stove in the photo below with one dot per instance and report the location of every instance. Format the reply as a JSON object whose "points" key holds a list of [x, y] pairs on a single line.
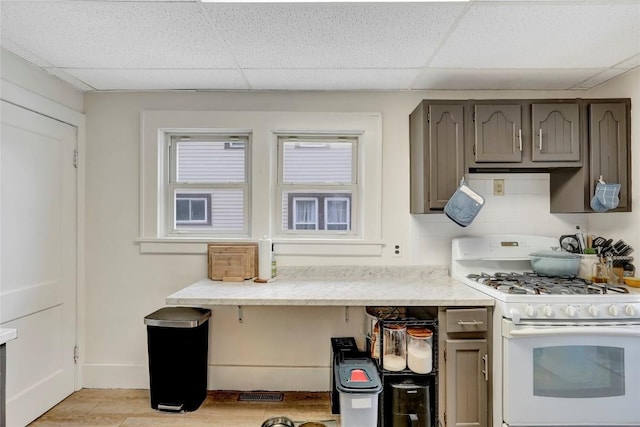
{"points": [[565, 351], [500, 267]]}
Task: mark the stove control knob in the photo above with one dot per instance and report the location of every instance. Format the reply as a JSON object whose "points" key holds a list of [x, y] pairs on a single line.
{"points": [[547, 311], [515, 315], [593, 310], [630, 310], [570, 311], [613, 310], [530, 311]]}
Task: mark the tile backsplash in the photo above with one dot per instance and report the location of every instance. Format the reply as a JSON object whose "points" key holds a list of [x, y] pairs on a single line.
{"points": [[523, 209]]}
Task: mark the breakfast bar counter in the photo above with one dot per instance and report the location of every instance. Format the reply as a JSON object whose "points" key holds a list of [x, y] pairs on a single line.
{"points": [[338, 286]]}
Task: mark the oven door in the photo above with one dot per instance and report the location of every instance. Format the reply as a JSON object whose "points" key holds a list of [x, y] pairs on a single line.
{"points": [[564, 374]]}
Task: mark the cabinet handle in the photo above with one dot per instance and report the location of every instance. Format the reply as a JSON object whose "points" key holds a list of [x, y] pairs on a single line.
{"points": [[540, 143], [485, 371], [470, 322], [520, 138]]}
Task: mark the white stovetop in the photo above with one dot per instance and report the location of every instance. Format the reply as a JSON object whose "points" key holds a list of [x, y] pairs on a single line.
{"points": [[338, 286], [7, 335]]}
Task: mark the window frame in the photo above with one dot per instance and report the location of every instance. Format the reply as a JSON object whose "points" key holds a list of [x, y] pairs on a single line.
{"points": [[172, 186], [319, 190], [263, 128]]}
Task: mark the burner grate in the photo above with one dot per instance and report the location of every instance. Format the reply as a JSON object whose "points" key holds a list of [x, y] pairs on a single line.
{"points": [[529, 283]]}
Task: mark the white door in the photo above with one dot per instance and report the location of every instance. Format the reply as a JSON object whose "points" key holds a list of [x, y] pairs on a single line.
{"points": [[37, 260]]}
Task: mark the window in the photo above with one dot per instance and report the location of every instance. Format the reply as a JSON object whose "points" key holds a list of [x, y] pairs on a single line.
{"points": [[317, 184], [254, 199], [193, 209], [316, 211], [208, 184]]}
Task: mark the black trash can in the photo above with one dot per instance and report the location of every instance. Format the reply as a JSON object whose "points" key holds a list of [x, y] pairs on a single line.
{"points": [[178, 345]]}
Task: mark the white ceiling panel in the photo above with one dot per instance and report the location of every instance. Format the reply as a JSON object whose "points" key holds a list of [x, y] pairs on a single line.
{"points": [[94, 34], [630, 63], [333, 35], [463, 79], [146, 79], [186, 44], [600, 78], [543, 35], [63, 75], [331, 79]]}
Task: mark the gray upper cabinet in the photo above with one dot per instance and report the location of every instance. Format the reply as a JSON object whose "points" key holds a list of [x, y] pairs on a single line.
{"points": [[556, 132], [607, 127], [498, 133], [437, 159], [609, 147]]}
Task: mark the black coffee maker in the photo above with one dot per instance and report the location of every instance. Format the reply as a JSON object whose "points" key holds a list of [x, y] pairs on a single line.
{"points": [[410, 405]]}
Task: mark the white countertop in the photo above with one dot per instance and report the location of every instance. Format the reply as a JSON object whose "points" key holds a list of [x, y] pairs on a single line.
{"points": [[338, 286], [7, 335]]}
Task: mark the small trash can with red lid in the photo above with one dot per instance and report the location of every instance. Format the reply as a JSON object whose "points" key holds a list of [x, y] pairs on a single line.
{"points": [[359, 385]]}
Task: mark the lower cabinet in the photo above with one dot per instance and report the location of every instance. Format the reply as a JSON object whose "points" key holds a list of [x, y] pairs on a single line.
{"points": [[465, 376], [466, 385]]}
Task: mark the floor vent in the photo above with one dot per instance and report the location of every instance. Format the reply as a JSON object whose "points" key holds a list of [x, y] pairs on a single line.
{"points": [[260, 397]]}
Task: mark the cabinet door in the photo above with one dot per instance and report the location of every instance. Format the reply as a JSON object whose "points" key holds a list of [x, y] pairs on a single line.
{"points": [[467, 379], [609, 147], [556, 132], [445, 152], [498, 133]]}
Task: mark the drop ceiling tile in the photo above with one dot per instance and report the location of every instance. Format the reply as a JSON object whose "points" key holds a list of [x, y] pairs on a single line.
{"points": [[630, 63], [81, 34], [600, 78], [483, 79], [63, 75], [23, 53], [543, 35], [333, 35], [186, 79], [331, 79]]}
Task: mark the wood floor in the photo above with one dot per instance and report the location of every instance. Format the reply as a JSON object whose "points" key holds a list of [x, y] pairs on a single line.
{"points": [[100, 407]]}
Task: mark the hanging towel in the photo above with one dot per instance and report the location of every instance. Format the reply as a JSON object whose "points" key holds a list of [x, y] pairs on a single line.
{"points": [[464, 205], [606, 196]]}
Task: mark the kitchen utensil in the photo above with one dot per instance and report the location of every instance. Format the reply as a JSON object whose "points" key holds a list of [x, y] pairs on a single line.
{"points": [[570, 243], [555, 263], [632, 281], [278, 422]]}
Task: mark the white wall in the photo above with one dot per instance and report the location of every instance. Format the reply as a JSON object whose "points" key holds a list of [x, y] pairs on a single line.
{"points": [[124, 285]]}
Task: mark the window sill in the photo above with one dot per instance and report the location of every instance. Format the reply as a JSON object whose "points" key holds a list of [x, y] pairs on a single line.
{"points": [[288, 247]]}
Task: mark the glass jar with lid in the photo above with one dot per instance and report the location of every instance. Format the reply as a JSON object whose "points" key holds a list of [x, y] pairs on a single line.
{"points": [[420, 350], [394, 342]]}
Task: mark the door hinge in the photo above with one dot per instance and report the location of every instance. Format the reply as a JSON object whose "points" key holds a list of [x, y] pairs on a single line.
{"points": [[444, 355], [76, 354], [75, 159], [428, 116], [445, 417]]}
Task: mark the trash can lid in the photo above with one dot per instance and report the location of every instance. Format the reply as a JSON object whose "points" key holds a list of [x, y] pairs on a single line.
{"points": [[178, 317], [357, 375]]}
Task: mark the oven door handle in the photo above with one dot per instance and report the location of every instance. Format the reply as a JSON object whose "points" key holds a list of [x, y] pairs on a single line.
{"points": [[573, 330]]}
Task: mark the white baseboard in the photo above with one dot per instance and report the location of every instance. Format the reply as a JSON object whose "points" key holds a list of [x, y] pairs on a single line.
{"points": [[244, 378], [98, 375]]}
